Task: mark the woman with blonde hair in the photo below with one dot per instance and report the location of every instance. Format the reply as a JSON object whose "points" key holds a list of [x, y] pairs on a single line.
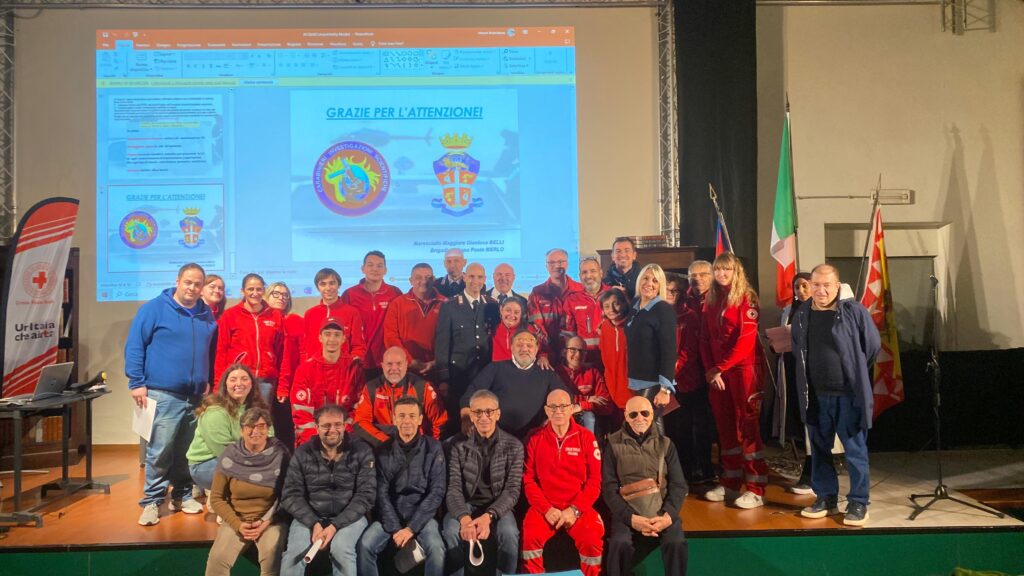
{"points": [[651, 341], [733, 361]]}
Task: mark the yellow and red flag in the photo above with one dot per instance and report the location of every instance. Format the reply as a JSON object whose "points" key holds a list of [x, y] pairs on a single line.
{"points": [[887, 381]]}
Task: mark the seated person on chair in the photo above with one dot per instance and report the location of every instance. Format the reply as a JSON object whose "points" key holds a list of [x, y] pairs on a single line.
{"points": [[638, 458], [562, 480], [330, 486], [411, 480], [485, 475]]}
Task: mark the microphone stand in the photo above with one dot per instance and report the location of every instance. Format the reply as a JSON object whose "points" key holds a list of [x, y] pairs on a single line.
{"points": [[941, 491]]}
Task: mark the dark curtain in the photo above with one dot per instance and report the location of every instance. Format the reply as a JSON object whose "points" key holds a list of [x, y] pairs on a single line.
{"points": [[717, 74]]}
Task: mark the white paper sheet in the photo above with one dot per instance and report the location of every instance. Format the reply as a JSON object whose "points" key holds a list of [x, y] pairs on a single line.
{"points": [[142, 419]]}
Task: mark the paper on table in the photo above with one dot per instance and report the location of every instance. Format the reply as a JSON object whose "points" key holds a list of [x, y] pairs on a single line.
{"points": [[780, 338], [142, 419]]}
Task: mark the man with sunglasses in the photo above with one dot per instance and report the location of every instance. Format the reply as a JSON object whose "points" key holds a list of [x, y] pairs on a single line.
{"points": [[485, 475], [642, 465], [330, 485], [835, 343], [562, 480]]}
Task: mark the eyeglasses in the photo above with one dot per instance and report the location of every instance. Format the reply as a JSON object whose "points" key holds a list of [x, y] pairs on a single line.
{"points": [[281, 295], [559, 407], [488, 412], [576, 350], [331, 425], [632, 415], [673, 290], [261, 427]]}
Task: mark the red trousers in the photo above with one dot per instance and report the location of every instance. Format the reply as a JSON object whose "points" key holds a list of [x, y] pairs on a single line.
{"points": [[587, 533], [737, 416]]}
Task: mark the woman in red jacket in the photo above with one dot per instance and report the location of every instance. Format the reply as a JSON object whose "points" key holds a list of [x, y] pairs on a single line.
{"points": [[279, 297], [252, 333], [513, 319], [612, 342], [733, 361]]}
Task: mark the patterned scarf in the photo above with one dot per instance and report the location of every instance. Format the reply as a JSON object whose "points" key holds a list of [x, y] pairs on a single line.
{"points": [[262, 468]]}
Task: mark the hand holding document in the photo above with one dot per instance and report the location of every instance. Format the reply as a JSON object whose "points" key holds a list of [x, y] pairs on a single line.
{"points": [[780, 338], [142, 419]]}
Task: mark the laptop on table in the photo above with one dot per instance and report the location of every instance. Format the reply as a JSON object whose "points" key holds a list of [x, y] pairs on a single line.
{"points": [[53, 381]]}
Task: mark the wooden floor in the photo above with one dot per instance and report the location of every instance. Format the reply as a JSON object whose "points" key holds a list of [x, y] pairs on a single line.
{"points": [[96, 519]]}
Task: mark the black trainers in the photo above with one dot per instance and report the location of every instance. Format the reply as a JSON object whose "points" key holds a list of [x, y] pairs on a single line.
{"points": [[856, 514], [822, 507]]}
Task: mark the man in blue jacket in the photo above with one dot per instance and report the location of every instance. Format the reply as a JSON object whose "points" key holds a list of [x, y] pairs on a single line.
{"points": [[167, 361], [835, 343], [411, 482]]}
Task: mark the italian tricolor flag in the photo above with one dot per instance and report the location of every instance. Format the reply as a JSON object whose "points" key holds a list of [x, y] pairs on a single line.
{"points": [[784, 223]]}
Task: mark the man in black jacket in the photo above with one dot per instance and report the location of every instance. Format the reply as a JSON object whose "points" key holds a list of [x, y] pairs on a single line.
{"points": [[485, 475], [410, 488], [634, 454], [330, 486]]}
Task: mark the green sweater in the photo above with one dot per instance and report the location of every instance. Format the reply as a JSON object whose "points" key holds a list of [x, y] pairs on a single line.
{"points": [[215, 430]]}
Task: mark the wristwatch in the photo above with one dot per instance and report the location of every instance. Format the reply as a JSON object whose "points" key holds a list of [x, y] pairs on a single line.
{"points": [[575, 510], [493, 515]]}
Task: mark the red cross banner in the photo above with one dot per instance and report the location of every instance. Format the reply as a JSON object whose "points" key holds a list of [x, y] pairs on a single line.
{"points": [[877, 298], [34, 292]]}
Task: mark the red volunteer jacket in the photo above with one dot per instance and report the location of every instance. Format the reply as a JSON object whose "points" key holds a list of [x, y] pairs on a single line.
{"points": [[544, 310], [318, 382], [559, 473], [616, 363], [729, 336], [582, 315], [583, 384], [256, 340], [689, 369], [370, 413], [372, 309], [410, 323], [352, 326]]}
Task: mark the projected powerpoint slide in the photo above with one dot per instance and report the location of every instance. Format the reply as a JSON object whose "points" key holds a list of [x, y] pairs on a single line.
{"points": [[173, 135], [159, 228], [407, 171], [283, 151]]}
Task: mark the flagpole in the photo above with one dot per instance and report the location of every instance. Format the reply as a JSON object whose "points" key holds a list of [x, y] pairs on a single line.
{"points": [[792, 180], [867, 242], [721, 217]]}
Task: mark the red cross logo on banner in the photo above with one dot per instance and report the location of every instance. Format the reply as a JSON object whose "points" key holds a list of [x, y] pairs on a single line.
{"points": [[40, 279]]}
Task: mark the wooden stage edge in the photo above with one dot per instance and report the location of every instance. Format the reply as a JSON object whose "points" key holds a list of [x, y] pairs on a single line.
{"points": [[95, 521]]}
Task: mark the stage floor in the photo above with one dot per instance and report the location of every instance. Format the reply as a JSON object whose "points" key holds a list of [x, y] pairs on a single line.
{"points": [[95, 520]]}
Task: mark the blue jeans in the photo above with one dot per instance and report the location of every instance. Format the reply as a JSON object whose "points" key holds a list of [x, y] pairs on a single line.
{"points": [[506, 532], [166, 465], [828, 416], [343, 549], [375, 540], [588, 420], [202, 472]]}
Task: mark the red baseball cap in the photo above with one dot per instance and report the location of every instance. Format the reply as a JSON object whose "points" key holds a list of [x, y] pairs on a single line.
{"points": [[329, 322]]}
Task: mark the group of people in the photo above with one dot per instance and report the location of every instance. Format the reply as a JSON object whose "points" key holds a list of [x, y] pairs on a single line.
{"points": [[395, 425]]}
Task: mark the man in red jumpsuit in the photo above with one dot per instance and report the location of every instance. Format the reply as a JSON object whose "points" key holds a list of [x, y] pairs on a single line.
{"points": [[326, 379], [562, 480], [412, 319]]}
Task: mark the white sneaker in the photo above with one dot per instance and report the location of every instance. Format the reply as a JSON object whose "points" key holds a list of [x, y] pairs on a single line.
{"points": [[720, 494], [749, 500], [150, 515], [189, 506]]}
